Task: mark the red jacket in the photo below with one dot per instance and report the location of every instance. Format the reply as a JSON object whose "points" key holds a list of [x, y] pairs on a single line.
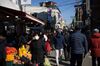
{"points": [[47, 46], [95, 45]]}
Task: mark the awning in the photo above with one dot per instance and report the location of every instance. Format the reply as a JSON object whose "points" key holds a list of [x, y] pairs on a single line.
{"points": [[25, 16], [34, 19]]}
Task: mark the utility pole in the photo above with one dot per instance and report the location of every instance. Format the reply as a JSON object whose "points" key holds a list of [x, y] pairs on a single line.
{"points": [[88, 9], [88, 20], [88, 12], [88, 6], [79, 13], [20, 6]]}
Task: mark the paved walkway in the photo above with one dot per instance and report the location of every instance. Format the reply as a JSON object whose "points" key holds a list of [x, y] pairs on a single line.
{"points": [[86, 61], [53, 60]]}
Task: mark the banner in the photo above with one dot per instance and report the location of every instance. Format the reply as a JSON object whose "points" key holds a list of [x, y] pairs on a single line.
{"points": [[25, 2]]}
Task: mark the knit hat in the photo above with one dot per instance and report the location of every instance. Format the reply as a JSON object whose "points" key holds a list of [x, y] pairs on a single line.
{"points": [[96, 30]]}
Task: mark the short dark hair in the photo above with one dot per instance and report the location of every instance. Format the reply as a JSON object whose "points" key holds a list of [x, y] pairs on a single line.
{"points": [[77, 27]]}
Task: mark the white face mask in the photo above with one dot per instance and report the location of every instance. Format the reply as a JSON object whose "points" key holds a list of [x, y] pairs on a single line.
{"points": [[45, 37], [36, 37]]}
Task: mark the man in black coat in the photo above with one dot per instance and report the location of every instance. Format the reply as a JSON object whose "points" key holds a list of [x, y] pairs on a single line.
{"points": [[78, 44]]}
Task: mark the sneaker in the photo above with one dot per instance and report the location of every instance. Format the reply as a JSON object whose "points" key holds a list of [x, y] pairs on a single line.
{"points": [[60, 58], [57, 65]]}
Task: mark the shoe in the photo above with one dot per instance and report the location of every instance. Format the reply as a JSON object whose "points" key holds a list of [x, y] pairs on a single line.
{"points": [[60, 58], [57, 65]]}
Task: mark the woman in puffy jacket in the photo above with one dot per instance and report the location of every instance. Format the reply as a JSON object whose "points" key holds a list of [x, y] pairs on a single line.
{"points": [[95, 47]]}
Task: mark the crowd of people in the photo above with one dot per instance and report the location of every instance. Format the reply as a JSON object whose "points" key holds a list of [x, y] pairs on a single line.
{"points": [[32, 49]]}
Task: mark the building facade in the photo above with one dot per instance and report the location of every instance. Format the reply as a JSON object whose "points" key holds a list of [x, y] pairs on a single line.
{"points": [[47, 12]]}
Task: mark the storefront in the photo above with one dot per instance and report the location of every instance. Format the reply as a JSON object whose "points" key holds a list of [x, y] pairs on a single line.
{"points": [[16, 20]]}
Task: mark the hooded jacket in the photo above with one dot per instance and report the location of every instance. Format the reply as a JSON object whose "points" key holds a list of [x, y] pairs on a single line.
{"points": [[95, 45]]}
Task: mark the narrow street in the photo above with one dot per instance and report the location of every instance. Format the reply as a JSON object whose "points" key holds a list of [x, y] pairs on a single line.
{"points": [[53, 60], [30, 29]]}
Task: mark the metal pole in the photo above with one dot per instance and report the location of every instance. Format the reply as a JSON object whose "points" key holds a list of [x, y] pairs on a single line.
{"points": [[79, 22], [89, 14], [88, 11], [88, 6], [20, 6]]}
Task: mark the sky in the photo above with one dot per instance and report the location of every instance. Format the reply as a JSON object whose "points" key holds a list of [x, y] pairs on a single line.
{"points": [[66, 7]]}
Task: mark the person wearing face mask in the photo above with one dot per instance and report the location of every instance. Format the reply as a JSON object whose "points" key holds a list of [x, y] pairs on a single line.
{"points": [[37, 49]]}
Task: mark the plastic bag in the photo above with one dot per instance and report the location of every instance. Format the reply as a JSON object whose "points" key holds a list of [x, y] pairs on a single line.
{"points": [[47, 62]]}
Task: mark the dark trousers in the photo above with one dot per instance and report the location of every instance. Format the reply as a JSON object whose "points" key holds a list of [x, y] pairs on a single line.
{"points": [[76, 58], [94, 59], [65, 53], [2, 62]]}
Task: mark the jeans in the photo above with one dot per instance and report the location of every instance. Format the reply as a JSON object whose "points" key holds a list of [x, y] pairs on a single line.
{"points": [[76, 58], [94, 59]]}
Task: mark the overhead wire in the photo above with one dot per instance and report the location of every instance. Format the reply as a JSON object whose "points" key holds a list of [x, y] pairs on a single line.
{"points": [[65, 1], [73, 3], [66, 8]]}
